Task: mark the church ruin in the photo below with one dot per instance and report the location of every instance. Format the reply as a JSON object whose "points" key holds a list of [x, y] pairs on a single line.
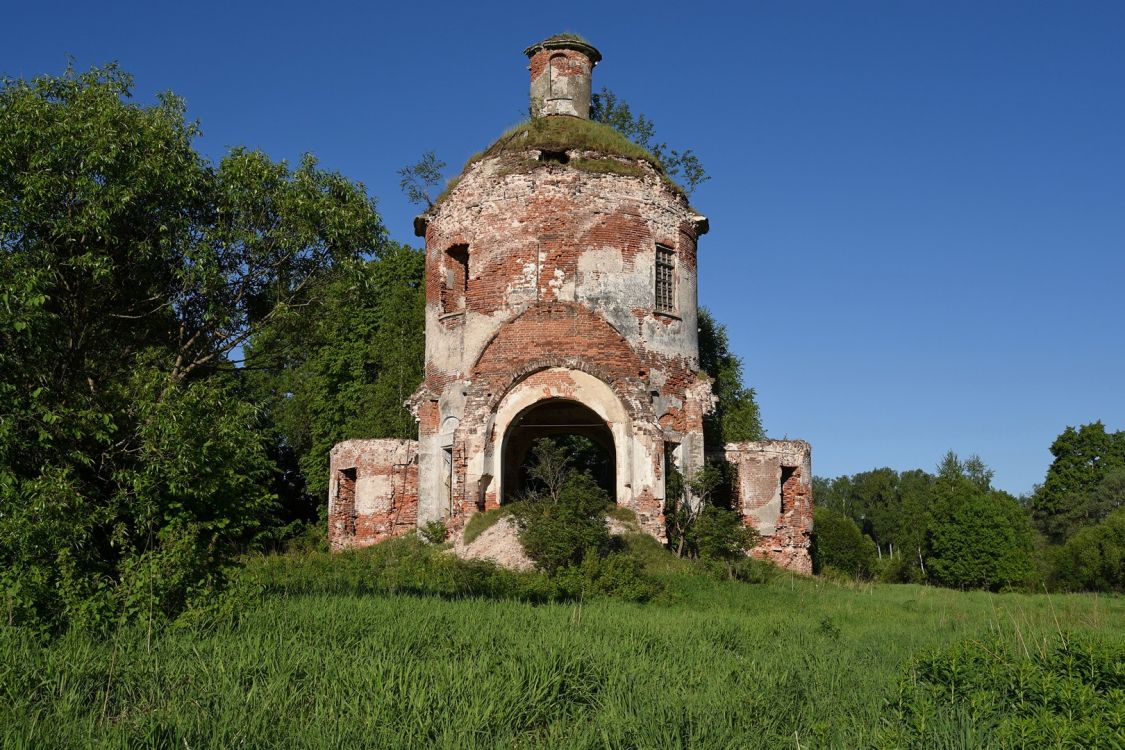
{"points": [[561, 299]]}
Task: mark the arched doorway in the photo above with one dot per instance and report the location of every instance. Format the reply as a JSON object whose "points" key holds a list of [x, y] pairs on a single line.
{"points": [[586, 438]]}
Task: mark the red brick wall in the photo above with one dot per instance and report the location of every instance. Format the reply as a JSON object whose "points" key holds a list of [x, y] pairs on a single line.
{"points": [[382, 499]]}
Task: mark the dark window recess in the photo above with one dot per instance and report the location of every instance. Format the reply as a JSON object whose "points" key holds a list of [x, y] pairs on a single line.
{"points": [[455, 284], [787, 473], [345, 499], [555, 156], [665, 279]]}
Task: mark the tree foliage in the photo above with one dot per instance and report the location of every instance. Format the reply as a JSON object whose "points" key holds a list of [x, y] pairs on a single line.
{"points": [[1072, 495], [838, 544], [736, 416], [134, 270], [977, 537], [346, 365], [682, 166], [952, 527], [1093, 558], [417, 181]]}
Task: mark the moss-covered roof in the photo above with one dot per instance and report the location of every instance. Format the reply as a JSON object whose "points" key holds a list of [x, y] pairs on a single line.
{"points": [[567, 36], [561, 133]]}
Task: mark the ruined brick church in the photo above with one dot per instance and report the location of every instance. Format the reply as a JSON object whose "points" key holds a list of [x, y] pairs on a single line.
{"points": [[561, 299]]}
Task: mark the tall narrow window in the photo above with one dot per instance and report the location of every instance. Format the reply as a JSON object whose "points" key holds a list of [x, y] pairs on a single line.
{"points": [[455, 283], [785, 493], [345, 500], [665, 279]]}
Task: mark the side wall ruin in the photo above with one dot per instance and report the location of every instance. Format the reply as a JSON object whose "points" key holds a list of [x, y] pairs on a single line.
{"points": [[372, 492], [774, 497]]}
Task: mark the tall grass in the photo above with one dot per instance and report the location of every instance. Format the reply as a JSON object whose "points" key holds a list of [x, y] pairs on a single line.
{"points": [[788, 663]]}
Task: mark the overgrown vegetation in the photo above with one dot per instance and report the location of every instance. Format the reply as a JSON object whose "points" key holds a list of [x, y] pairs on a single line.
{"points": [[736, 417], [327, 657], [562, 528], [1061, 691], [838, 545], [134, 461]]}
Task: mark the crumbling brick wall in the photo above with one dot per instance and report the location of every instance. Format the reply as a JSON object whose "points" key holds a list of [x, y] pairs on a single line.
{"points": [[774, 496], [372, 491]]}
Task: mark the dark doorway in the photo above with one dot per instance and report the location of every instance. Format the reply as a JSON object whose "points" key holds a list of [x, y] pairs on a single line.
{"points": [[586, 438]]}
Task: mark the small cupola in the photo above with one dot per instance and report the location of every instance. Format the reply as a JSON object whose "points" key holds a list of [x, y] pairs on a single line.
{"points": [[561, 70]]}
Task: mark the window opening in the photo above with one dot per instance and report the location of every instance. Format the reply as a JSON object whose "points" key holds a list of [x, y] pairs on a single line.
{"points": [[345, 499], [787, 473], [455, 284], [665, 279], [447, 476]]}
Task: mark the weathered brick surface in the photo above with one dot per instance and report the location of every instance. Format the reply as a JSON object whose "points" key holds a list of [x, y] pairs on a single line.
{"points": [[372, 492], [775, 497]]}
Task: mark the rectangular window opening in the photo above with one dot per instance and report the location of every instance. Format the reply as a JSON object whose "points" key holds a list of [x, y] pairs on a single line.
{"points": [[787, 473], [665, 279], [345, 499], [455, 282]]}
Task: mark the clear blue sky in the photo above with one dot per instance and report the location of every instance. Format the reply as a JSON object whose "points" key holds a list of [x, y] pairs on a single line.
{"points": [[917, 209]]}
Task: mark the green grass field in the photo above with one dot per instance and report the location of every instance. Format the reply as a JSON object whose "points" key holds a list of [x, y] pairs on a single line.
{"points": [[792, 662]]}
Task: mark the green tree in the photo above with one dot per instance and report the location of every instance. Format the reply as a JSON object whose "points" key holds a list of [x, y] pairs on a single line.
{"points": [[1083, 459], [682, 166], [345, 367], [736, 416], [838, 544], [134, 270], [1093, 558], [977, 537], [417, 181]]}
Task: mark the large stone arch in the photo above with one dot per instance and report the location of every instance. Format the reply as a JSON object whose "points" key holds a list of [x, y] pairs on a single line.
{"points": [[569, 385]]}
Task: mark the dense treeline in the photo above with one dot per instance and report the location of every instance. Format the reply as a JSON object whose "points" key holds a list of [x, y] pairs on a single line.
{"points": [[954, 529], [180, 342]]}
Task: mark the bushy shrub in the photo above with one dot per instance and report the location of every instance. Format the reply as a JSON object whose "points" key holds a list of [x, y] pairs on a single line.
{"points": [[616, 575], [557, 532], [1062, 694], [1093, 558], [838, 543], [433, 532], [978, 539], [719, 534]]}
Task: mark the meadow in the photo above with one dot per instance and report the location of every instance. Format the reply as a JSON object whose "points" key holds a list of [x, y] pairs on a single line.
{"points": [[321, 657]]}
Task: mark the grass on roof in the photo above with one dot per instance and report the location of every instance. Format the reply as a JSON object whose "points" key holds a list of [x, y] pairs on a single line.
{"points": [[561, 133]]}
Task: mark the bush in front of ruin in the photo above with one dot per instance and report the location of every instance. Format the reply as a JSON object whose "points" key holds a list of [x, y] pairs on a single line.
{"points": [[839, 545], [558, 529]]}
